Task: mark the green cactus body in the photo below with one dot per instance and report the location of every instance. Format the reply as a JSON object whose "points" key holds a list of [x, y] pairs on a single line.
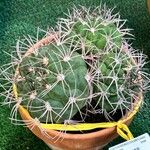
{"points": [[97, 34], [58, 81], [100, 38], [114, 81], [89, 67]]}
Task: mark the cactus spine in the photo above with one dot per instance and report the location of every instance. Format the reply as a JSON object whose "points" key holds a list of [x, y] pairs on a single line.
{"points": [[89, 62]]}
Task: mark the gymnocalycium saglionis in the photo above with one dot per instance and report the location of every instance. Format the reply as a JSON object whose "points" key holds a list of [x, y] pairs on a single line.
{"points": [[88, 65]]}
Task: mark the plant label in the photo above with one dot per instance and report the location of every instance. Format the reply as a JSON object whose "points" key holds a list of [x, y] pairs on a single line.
{"points": [[141, 142]]}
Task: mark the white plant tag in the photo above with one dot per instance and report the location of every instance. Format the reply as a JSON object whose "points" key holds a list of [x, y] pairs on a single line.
{"points": [[141, 142]]}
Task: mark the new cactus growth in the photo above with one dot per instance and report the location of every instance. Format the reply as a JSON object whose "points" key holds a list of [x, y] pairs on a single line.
{"points": [[89, 65]]}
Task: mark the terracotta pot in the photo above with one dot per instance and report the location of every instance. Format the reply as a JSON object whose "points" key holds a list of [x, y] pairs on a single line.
{"points": [[89, 141], [148, 4]]}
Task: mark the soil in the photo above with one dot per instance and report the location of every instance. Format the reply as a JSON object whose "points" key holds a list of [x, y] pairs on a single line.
{"points": [[95, 118]]}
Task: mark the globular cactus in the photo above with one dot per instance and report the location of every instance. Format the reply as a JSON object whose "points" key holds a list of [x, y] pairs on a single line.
{"points": [[96, 29], [53, 87], [116, 84], [114, 66], [89, 66]]}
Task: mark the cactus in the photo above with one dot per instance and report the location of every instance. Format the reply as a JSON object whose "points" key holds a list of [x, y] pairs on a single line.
{"points": [[102, 39], [98, 34], [114, 82], [89, 65], [53, 83], [97, 28]]}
